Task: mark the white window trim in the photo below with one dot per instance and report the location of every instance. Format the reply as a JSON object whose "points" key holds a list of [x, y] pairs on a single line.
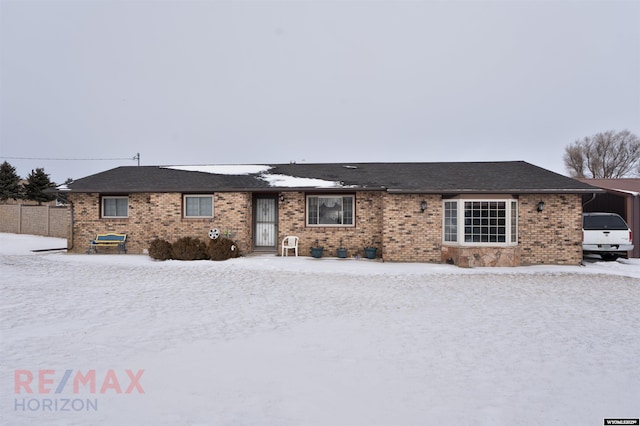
{"points": [[330, 225], [184, 204], [112, 197], [461, 224]]}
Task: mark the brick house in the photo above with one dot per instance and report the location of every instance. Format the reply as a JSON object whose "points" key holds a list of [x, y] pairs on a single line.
{"points": [[468, 214]]}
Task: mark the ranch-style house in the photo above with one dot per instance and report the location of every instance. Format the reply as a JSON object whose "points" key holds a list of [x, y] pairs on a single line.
{"points": [[466, 213]]}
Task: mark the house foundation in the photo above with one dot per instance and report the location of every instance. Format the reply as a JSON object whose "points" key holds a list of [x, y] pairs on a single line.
{"points": [[472, 257]]}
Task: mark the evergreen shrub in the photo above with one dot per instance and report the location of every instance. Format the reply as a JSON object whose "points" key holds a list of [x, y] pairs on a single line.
{"points": [[160, 249], [188, 248], [222, 249]]}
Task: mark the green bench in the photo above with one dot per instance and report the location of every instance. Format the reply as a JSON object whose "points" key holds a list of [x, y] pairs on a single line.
{"points": [[108, 240]]}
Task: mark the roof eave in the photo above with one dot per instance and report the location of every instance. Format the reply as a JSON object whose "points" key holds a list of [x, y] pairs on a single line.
{"points": [[495, 191], [224, 189]]}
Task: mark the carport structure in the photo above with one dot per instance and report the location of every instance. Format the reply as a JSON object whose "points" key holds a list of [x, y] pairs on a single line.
{"points": [[622, 196]]}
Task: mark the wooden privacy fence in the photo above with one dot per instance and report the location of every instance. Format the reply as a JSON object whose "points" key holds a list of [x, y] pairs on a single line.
{"points": [[48, 221]]}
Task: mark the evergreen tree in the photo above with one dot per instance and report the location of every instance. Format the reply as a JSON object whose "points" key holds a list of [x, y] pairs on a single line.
{"points": [[9, 182], [37, 182]]}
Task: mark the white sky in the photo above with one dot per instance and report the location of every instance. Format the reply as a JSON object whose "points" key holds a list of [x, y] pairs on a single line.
{"points": [[257, 82]]}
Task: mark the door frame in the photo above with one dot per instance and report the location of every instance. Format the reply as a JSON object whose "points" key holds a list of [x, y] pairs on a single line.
{"points": [[254, 203]]}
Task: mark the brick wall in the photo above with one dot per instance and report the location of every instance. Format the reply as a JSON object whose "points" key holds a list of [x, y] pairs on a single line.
{"points": [[411, 235], [550, 237], [368, 225], [401, 231], [553, 236], [159, 215]]}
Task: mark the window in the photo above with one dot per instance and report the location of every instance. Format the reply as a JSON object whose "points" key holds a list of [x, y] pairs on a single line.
{"points": [[483, 222], [198, 206], [330, 210], [610, 221], [451, 221], [514, 222], [115, 206]]}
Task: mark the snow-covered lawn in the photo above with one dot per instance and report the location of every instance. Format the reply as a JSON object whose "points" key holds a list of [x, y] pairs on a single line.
{"points": [[292, 341]]}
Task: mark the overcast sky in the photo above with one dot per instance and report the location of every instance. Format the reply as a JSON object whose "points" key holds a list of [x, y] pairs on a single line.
{"points": [[219, 82]]}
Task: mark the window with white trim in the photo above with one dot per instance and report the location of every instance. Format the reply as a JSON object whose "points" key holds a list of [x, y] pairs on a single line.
{"points": [[196, 206], [480, 222], [451, 221], [115, 207], [330, 210]]}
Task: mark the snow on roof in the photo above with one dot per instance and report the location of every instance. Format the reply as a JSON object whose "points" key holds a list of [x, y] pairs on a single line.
{"points": [[629, 186], [262, 172], [298, 182], [224, 169], [634, 193]]}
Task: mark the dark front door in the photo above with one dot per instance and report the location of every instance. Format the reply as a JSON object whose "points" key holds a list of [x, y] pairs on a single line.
{"points": [[265, 214]]}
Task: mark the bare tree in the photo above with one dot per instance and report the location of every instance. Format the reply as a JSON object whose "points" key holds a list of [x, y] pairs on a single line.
{"points": [[604, 155]]}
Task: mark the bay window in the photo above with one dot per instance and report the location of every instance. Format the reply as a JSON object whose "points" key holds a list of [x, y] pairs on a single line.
{"points": [[480, 222]]}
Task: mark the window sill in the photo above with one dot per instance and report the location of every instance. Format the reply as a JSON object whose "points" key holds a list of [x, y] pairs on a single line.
{"points": [[456, 244], [329, 226]]}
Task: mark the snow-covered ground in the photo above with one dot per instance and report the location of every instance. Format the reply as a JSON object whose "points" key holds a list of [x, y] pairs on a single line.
{"points": [[291, 341]]}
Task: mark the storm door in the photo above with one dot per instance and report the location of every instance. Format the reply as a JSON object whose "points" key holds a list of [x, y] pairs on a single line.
{"points": [[265, 214]]}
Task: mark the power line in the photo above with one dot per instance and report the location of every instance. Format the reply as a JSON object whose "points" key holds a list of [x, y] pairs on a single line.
{"points": [[69, 159], [136, 157]]}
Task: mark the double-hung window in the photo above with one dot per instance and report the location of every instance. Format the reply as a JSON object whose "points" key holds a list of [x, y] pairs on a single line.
{"points": [[115, 207], [480, 222], [198, 206], [330, 210]]}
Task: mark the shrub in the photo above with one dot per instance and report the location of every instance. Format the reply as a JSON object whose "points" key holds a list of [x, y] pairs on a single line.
{"points": [[160, 249], [188, 248], [222, 249]]}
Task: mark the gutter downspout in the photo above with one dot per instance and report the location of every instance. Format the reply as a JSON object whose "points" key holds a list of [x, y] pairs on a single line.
{"points": [[593, 197], [70, 243], [635, 225]]}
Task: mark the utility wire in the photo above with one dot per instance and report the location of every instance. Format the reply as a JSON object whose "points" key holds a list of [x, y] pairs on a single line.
{"points": [[68, 159], [136, 157]]}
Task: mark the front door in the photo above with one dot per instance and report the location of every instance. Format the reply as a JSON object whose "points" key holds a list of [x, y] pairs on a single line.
{"points": [[265, 214]]}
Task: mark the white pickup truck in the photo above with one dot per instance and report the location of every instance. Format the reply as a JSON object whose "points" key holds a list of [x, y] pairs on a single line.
{"points": [[606, 234]]}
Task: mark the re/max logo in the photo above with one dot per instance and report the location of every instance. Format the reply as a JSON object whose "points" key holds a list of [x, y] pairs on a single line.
{"points": [[44, 381]]}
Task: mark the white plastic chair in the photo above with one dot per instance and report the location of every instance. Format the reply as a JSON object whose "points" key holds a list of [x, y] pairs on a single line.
{"points": [[289, 243]]}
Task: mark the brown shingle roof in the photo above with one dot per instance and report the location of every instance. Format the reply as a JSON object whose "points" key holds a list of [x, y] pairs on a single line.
{"points": [[623, 185]]}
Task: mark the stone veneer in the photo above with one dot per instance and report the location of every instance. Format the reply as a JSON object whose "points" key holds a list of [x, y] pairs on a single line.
{"points": [[394, 222]]}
